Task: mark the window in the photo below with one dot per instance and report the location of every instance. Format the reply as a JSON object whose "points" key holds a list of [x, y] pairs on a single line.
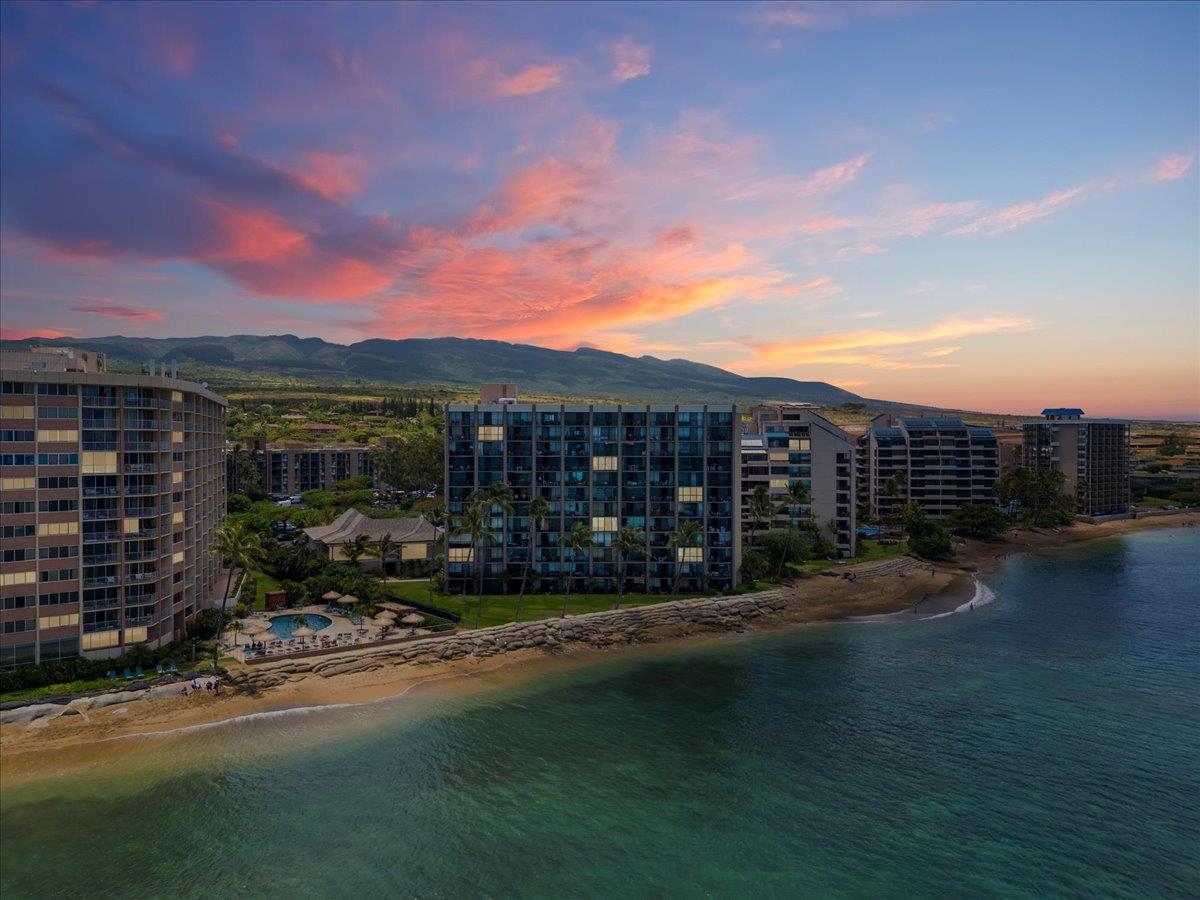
{"points": [[99, 463], [19, 555], [16, 459], [19, 484], [779, 484], [11, 435], [490, 432], [17, 387], [100, 640], [460, 554], [604, 464], [16, 412], [47, 529], [18, 531], [16, 507], [65, 552], [604, 523], [58, 459], [59, 435], [57, 412], [58, 390], [63, 621], [20, 627], [135, 635], [58, 506], [58, 575], [57, 482], [799, 444], [60, 597], [689, 554], [8, 578], [22, 602], [691, 494]]}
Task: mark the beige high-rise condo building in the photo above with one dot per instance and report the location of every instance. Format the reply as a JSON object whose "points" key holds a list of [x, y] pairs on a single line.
{"points": [[793, 442], [1092, 454], [111, 487]]}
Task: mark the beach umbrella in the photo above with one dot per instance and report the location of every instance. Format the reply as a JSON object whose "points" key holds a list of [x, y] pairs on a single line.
{"points": [[303, 632], [255, 626], [380, 622], [348, 600], [395, 607], [386, 614], [413, 619], [331, 596]]}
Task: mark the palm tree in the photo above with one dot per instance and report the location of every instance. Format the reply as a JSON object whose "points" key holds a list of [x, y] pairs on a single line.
{"points": [[384, 548], [578, 539], [236, 627], [354, 548], [797, 497], [684, 536], [628, 540], [473, 524], [761, 510], [238, 548], [539, 511]]}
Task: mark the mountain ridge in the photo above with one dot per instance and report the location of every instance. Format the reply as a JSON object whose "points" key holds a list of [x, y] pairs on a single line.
{"points": [[465, 362]]}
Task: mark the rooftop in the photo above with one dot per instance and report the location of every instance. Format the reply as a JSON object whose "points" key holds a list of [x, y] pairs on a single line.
{"points": [[352, 523]]}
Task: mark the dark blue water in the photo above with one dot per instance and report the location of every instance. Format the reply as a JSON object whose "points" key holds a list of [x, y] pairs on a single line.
{"points": [[1045, 745]]}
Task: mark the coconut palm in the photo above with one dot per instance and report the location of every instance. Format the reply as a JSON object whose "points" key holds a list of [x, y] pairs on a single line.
{"points": [[578, 539], [236, 627], [688, 534], [354, 548], [628, 540], [473, 524], [383, 549], [539, 511], [761, 510], [795, 499], [238, 548]]}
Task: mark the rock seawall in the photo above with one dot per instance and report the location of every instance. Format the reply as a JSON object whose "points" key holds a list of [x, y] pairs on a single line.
{"points": [[600, 629]]}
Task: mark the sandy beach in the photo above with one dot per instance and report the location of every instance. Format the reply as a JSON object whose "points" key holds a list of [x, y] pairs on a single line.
{"points": [[925, 589]]}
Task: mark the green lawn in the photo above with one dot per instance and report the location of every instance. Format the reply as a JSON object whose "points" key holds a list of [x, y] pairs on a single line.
{"points": [[262, 583], [501, 608], [868, 551], [1154, 502]]}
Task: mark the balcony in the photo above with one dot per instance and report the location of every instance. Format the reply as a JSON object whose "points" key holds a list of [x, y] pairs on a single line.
{"points": [[95, 515]]}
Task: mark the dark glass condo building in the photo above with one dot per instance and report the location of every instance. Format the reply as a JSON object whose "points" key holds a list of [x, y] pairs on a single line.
{"points": [[651, 467]]}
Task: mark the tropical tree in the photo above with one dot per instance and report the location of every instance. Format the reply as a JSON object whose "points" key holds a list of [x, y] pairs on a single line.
{"points": [[539, 511], [686, 535], [795, 499], [383, 549], [355, 548], [473, 524], [628, 540], [577, 540], [761, 510], [236, 627], [238, 548]]}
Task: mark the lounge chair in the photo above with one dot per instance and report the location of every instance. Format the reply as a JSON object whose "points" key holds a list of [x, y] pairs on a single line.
{"points": [[112, 675], [158, 668], [171, 666], [138, 673], [128, 675]]}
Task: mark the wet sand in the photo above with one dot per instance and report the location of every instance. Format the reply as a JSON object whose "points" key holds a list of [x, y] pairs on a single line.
{"points": [[923, 591]]}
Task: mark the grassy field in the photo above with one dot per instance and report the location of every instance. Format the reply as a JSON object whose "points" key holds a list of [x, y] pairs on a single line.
{"points": [[1154, 502], [262, 583], [869, 551], [499, 609]]}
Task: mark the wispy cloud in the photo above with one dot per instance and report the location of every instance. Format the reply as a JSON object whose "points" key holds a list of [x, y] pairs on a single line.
{"points": [[113, 311], [1173, 167], [941, 351], [630, 59], [531, 80], [1010, 218], [869, 347]]}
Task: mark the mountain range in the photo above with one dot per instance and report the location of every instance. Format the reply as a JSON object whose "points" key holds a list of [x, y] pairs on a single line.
{"points": [[461, 362]]}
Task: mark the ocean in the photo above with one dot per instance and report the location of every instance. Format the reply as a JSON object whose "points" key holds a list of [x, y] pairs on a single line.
{"points": [[1044, 744]]}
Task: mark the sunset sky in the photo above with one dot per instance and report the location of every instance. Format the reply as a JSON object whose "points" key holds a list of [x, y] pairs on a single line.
{"points": [[983, 206]]}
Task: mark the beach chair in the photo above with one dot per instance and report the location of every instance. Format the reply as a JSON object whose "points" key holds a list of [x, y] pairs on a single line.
{"points": [[128, 675], [158, 668], [138, 672], [112, 675], [171, 666]]}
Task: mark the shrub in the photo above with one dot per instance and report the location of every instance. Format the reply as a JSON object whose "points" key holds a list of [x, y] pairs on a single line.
{"points": [[203, 625], [294, 593], [977, 520], [754, 566], [241, 610]]}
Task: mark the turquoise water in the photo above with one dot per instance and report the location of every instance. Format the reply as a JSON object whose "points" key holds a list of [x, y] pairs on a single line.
{"points": [[1047, 744], [284, 626]]}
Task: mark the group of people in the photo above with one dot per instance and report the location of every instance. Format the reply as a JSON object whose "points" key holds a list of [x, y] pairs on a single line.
{"points": [[213, 685]]}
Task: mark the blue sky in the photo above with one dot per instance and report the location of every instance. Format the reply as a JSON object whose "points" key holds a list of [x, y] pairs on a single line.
{"points": [[978, 205]]}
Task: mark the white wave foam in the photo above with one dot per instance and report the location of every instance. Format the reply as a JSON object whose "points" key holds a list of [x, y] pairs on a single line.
{"points": [[983, 596]]}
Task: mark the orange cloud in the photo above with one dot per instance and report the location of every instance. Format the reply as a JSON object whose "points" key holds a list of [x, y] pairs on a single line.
{"points": [[532, 80], [862, 347], [21, 334], [114, 311]]}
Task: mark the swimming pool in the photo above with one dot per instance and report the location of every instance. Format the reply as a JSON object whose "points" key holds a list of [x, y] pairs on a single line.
{"points": [[283, 626]]}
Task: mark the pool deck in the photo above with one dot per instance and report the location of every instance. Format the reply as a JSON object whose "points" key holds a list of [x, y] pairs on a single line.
{"points": [[341, 632]]}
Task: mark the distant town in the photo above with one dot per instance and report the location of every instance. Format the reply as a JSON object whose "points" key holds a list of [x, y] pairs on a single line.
{"points": [[132, 522]]}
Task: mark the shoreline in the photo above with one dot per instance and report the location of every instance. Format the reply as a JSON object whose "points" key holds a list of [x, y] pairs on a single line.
{"points": [[43, 748]]}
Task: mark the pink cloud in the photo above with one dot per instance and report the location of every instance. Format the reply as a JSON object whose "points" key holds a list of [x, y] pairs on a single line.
{"points": [[21, 334], [1012, 217], [337, 176], [531, 80], [114, 311], [1173, 167], [630, 60]]}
